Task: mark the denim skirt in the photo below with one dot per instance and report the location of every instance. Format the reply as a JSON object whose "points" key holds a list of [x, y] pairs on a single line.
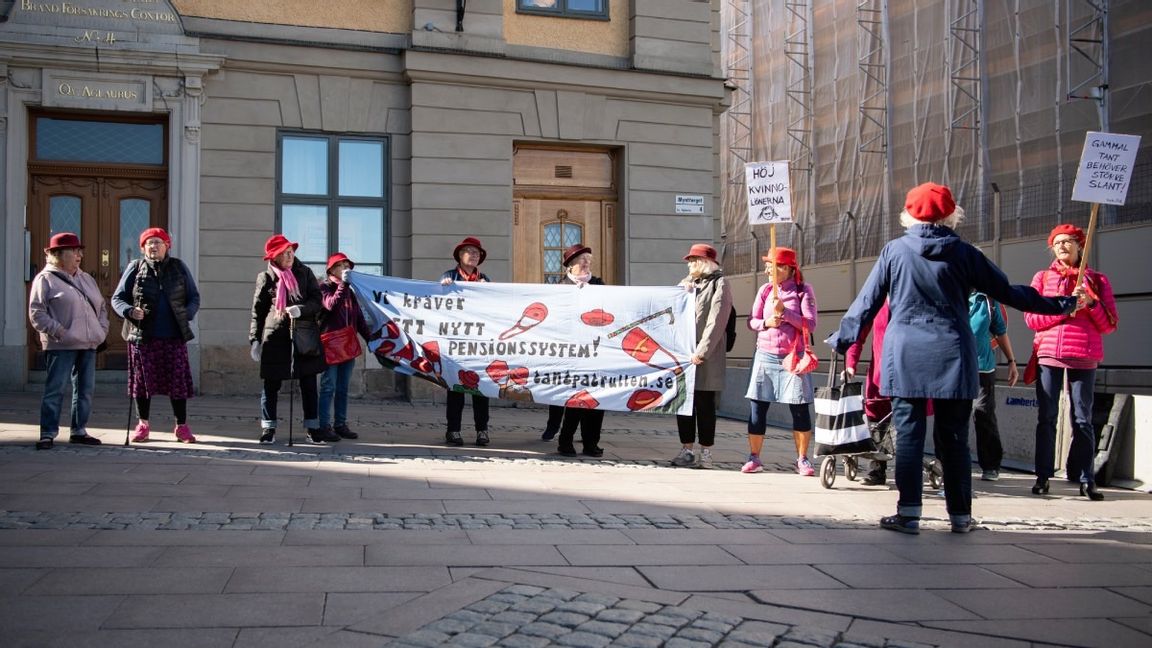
{"points": [[772, 383]]}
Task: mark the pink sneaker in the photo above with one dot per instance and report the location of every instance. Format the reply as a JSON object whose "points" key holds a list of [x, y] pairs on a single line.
{"points": [[141, 435], [184, 435], [753, 465], [804, 467]]}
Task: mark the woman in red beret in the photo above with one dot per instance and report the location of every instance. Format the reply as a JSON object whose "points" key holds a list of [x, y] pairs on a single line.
{"points": [[713, 307], [158, 299], [577, 262], [285, 336], [1069, 344], [929, 349], [781, 319]]}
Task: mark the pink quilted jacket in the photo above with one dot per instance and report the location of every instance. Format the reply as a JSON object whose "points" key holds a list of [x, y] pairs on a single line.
{"points": [[1079, 335]]}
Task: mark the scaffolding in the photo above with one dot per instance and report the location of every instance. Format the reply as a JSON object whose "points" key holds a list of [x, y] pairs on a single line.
{"points": [[737, 58], [797, 50]]}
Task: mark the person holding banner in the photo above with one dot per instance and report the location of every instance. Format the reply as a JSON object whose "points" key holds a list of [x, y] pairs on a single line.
{"points": [[929, 349], [1072, 345], [778, 332], [578, 263], [285, 305], [469, 254], [342, 314], [713, 307]]}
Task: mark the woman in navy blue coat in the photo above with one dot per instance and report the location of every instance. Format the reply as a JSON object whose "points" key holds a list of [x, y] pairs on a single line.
{"points": [[929, 350]]}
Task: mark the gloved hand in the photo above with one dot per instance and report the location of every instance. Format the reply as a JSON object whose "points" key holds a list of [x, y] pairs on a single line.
{"points": [[344, 275], [293, 311], [256, 348]]}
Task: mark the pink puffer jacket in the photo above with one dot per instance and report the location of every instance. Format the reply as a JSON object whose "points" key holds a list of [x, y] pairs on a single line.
{"points": [[1079, 335]]}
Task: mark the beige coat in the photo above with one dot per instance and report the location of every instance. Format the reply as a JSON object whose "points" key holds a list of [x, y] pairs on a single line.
{"points": [[713, 306], [62, 313]]}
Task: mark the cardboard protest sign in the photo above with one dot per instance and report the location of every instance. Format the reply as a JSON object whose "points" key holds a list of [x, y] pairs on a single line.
{"points": [[598, 347], [769, 192], [1105, 168]]}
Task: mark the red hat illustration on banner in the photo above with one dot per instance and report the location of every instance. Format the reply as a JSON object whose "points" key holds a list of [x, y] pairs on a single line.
{"points": [[641, 346], [533, 314], [582, 400], [597, 317], [643, 399]]}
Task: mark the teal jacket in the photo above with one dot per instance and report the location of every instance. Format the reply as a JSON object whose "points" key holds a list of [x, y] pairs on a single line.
{"points": [[986, 317]]}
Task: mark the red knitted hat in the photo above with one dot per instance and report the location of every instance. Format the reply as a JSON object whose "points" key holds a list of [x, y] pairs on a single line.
{"points": [[930, 202], [155, 232], [1070, 230]]}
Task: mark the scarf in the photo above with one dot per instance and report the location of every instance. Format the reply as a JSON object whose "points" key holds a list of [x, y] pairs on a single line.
{"points": [[580, 278], [286, 286], [475, 276]]}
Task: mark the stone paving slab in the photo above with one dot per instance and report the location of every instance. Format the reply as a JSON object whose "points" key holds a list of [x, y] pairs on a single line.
{"points": [[296, 535], [198, 638], [1089, 633]]}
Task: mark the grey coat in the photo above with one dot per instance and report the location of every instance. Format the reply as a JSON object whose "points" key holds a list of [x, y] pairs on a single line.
{"points": [[713, 307]]}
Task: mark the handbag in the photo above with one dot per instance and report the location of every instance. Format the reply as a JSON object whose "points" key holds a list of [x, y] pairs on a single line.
{"points": [[340, 345], [1032, 369], [306, 338], [840, 424], [801, 361]]}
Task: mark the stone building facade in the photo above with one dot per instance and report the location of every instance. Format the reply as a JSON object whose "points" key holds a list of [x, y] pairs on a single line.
{"points": [[385, 130]]}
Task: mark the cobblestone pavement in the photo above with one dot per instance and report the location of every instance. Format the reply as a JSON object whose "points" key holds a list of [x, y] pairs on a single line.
{"points": [[522, 616]]}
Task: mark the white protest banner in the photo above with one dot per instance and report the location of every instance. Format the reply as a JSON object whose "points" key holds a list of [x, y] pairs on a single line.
{"points": [[769, 192], [1105, 168], [596, 347]]}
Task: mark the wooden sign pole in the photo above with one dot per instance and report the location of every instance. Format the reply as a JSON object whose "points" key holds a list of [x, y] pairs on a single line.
{"points": [[1087, 244]]}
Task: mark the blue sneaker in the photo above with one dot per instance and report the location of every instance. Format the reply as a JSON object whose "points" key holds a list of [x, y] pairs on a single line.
{"points": [[901, 523]]}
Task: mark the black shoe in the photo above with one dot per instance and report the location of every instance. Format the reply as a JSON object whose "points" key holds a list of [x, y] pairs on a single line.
{"points": [[452, 437], [44, 444], [482, 438], [329, 435], [1089, 491], [344, 433], [83, 439], [267, 436], [316, 435], [594, 452], [964, 527], [874, 479], [567, 451], [548, 435], [901, 523], [1041, 486]]}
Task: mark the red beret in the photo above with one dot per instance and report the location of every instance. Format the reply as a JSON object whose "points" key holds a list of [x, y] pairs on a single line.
{"points": [[155, 232], [702, 250], [930, 202], [1070, 230]]}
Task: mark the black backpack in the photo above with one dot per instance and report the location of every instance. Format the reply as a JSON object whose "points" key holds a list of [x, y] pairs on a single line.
{"points": [[730, 331]]}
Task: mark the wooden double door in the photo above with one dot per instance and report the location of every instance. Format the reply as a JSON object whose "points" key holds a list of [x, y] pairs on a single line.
{"points": [[108, 211], [563, 197]]}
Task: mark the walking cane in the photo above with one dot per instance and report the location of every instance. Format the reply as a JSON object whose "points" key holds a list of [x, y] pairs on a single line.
{"points": [[291, 376], [128, 428]]}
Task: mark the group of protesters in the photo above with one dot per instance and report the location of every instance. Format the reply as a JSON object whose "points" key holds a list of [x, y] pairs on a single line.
{"points": [[932, 304]]}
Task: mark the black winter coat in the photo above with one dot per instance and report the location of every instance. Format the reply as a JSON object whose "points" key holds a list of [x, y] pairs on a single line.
{"points": [[145, 285], [273, 331]]}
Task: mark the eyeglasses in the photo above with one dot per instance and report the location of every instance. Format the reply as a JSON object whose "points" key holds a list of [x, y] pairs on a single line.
{"points": [[1064, 242]]}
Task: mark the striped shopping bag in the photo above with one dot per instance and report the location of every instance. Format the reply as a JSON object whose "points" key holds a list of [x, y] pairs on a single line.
{"points": [[840, 424]]}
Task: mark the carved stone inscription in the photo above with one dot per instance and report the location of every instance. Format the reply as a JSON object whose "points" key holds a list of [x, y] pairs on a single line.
{"points": [[100, 91]]}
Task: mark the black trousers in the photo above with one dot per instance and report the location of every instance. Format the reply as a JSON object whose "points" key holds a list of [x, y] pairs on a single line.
{"points": [[989, 450], [590, 422], [456, 411], [555, 417], [703, 419]]}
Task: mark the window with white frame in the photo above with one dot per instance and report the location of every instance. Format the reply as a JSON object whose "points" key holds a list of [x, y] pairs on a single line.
{"points": [[569, 8], [332, 196]]}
